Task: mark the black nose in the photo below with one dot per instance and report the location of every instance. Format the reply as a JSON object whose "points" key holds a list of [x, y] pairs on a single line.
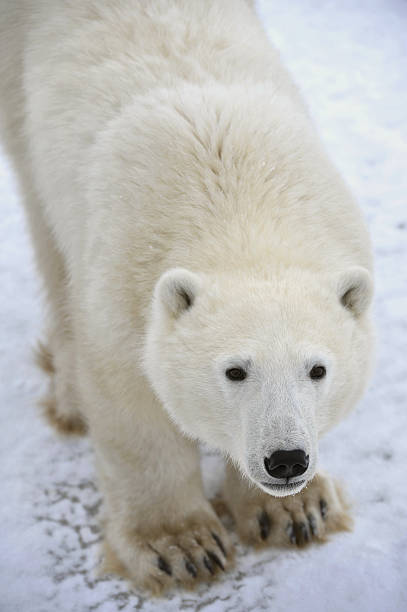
{"points": [[285, 464]]}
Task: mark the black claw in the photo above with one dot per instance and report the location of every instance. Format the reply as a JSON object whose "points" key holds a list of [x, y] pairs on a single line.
{"points": [[164, 566], [219, 543], [209, 565], [305, 535], [191, 569], [264, 524], [323, 506], [291, 533], [301, 534], [312, 523], [215, 559]]}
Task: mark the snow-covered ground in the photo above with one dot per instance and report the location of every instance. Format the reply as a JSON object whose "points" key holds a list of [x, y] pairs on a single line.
{"points": [[351, 60]]}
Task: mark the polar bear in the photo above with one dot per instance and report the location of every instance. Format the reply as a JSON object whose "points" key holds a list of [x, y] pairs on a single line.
{"points": [[207, 271]]}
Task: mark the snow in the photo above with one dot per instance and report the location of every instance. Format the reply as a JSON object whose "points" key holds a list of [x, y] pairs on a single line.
{"points": [[350, 59]]}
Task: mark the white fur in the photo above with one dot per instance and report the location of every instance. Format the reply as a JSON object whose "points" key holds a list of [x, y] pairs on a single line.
{"points": [[163, 151]]}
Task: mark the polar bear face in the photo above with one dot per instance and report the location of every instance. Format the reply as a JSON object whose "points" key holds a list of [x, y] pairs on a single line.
{"points": [[260, 369]]}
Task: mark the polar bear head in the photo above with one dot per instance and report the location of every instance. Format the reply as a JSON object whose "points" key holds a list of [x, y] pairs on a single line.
{"points": [[260, 369]]}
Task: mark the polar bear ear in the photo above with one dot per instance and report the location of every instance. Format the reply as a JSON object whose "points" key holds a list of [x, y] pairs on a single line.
{"points": [[176, 290], [355, 290]]}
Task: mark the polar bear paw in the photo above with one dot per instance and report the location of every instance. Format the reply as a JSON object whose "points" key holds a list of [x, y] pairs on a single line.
{"points": [[196, 550], [297, 520], [60, 404]]}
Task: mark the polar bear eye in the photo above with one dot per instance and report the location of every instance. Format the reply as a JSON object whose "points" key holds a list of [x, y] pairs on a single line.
{"points": [[236, 374], [317, 372]]}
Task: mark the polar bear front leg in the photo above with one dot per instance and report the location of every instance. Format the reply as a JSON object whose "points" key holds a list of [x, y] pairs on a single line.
{"points": [[296, 520], [160, 530]]}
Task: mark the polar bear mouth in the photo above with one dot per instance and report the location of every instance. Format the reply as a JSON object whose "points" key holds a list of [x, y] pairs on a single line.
{"points": [[283, 487]]}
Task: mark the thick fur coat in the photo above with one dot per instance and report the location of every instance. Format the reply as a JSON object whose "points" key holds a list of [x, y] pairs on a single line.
{"points": [[187, 223]]}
